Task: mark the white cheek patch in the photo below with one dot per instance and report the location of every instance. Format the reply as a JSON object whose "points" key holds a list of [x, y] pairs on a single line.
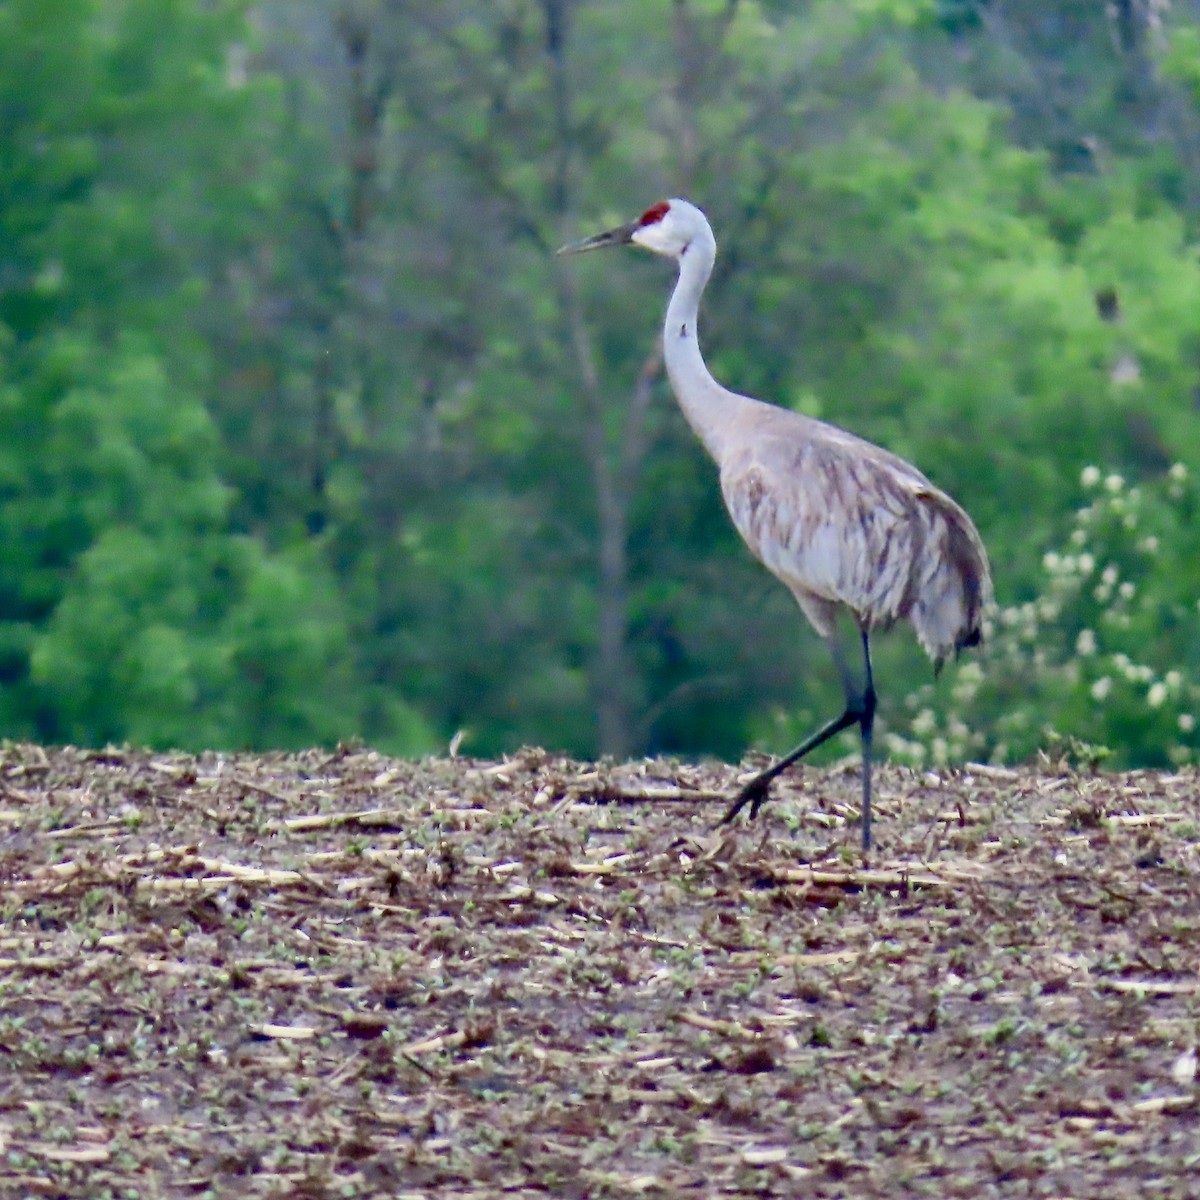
{"points": [[651, 237]]}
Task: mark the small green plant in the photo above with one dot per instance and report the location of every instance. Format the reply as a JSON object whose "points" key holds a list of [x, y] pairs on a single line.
{"points": [[1001, 1032], [1075, 752]]}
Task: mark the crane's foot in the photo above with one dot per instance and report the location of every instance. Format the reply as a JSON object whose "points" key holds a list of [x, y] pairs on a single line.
{"points": [[754, 794]]}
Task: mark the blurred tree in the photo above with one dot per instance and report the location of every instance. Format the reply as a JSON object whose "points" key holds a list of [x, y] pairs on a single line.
{"points": [[532, 538], [291, 386], [130, 607]]}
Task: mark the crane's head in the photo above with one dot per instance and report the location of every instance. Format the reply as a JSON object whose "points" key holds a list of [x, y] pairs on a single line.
{"points": [[667, 228]]}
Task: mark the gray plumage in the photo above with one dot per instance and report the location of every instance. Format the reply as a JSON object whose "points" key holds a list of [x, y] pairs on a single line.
{"points": [[843, 523]]}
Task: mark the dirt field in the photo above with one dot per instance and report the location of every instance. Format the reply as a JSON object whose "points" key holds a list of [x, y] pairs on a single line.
{"points": [[343, 975]]}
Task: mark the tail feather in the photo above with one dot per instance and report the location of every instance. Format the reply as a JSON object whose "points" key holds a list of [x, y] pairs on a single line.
{"points": [[948, 607]]}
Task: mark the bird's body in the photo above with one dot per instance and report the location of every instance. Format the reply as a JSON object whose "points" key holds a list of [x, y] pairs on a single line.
{"points": [[840, 521]]}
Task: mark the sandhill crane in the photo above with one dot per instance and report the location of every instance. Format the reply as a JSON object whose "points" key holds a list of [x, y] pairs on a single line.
{"points": [[842, 523]]}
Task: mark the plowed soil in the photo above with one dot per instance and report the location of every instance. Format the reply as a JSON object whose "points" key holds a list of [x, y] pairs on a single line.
{"points": [[341, 975]]}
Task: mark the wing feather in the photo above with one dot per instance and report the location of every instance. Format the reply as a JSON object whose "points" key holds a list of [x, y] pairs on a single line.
{"points": [[841, 521]]}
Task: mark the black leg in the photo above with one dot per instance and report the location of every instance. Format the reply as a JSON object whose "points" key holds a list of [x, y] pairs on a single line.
{"points": [[755, 792], [867, 725], [860, 711]]}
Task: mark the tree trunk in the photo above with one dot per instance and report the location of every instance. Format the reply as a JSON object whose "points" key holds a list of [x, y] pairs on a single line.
{"points": [[613, 472]]}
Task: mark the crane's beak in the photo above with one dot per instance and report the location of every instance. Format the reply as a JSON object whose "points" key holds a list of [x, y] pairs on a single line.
{"points": [[620, 236]]}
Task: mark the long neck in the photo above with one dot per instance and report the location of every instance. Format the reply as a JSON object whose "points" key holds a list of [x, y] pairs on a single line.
{"points": [[708, 407]]}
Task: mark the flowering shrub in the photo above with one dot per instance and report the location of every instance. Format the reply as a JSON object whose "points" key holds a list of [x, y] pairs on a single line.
{"points": [[1104, 662]]}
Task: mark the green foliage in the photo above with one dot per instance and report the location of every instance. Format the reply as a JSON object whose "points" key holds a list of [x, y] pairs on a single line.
{"points": [[131, 606], [304, 433], [1102, 662]]}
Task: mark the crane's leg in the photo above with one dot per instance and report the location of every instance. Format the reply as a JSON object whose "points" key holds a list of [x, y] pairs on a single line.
{"points": [[866, 725], [860, 711]]}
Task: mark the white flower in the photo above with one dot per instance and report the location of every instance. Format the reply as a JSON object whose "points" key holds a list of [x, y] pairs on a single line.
{"points": [[1087, 564], [924, 723], [1085, 643], [1114, 482], [1177, 473], [1101, 687], [1051, 561], [1126, 590], [1187, 722], [1157, 694], [1109, 575], [1148, 545], [1090, 476], [1173, 680]]}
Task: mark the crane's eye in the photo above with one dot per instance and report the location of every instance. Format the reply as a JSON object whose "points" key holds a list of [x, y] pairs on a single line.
{"points": [[654, 214]]}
